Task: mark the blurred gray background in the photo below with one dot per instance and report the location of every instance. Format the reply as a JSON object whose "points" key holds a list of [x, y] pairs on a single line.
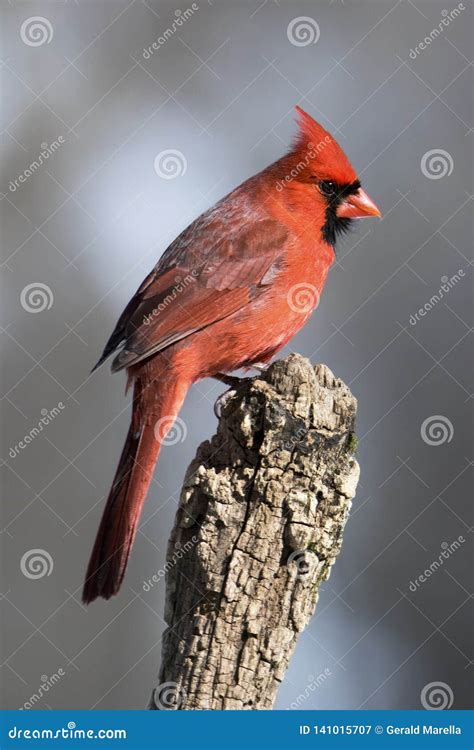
{"points": [[93, 218]]}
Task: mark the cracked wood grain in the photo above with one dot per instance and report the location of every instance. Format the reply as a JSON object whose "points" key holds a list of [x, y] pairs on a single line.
{"points": [[258, 527]]}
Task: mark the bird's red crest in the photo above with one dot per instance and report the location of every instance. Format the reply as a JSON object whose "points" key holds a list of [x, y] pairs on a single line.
{"points": [[322, 150]]}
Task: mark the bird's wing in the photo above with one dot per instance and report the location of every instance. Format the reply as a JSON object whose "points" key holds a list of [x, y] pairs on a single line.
{"points": [[209, 272]]}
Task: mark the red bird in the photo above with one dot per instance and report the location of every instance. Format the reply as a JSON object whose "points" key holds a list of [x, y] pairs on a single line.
{"points": [[223, 296]]}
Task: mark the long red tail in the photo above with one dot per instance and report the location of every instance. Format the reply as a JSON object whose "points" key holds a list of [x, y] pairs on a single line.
{"points": [[152, 418]]}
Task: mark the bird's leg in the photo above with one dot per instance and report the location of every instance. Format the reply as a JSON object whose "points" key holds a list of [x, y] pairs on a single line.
{"points": [[231, 380]]}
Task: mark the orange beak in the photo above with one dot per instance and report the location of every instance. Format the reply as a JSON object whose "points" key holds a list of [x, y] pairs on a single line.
{"points": [[358, 206]]}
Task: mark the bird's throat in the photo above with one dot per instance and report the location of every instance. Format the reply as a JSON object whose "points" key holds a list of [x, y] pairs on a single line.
{"points": [[334, 226]]}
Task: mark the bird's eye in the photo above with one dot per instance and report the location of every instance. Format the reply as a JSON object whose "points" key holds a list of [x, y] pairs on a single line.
{"points": [[327, 188]]}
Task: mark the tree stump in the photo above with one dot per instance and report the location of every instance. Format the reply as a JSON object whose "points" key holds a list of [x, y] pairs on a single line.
{"points": [[259, 524]]}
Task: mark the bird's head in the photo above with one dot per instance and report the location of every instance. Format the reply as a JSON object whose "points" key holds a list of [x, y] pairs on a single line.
{"points": [[321, 180]]}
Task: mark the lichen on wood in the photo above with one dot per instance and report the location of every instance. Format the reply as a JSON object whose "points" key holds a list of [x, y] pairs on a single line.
{"points": [[259, 523]]}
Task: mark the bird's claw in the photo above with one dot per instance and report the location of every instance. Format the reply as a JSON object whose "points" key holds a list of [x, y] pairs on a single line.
{"points": [[234, 382], [222, 401]]}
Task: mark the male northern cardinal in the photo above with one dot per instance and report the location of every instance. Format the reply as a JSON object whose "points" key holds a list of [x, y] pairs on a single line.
{"points": [[223, 296]]}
